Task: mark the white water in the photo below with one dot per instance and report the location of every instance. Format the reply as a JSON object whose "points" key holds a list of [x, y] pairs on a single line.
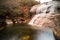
{"points": [[42, 1], [41, 23]]}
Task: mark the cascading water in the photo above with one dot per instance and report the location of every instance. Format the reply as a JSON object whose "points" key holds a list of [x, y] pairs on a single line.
{"points": [[42, 23]]}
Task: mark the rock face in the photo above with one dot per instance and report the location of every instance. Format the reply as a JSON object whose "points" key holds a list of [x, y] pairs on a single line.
{"points": [[47, 16], [52, 9], [48, 7]]}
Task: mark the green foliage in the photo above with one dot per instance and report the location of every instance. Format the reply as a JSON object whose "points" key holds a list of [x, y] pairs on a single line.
{"points": [[14, 7], [28, 4]]}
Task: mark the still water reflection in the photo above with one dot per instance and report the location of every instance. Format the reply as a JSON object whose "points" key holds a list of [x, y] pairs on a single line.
{"points": [[20, 32], [17, 32]]}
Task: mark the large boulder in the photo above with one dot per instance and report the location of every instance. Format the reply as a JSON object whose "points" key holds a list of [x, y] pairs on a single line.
{"points": [[47, 14], [48, 7]]}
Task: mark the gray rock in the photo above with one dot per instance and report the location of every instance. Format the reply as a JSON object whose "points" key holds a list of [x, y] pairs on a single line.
{"points": [[49, 7]]}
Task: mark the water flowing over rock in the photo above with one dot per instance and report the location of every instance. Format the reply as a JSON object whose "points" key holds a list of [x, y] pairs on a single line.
{"points": [[46, 20], [53, 12], [48, 7], [42, 23]]}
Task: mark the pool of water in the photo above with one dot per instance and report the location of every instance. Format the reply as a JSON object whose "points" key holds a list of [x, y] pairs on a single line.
{"points": [[16, 32]]}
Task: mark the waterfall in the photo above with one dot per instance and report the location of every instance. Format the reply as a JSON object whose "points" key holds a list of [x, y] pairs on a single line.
{"points": [[41, 23], [46, 18], [41, 20]]}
